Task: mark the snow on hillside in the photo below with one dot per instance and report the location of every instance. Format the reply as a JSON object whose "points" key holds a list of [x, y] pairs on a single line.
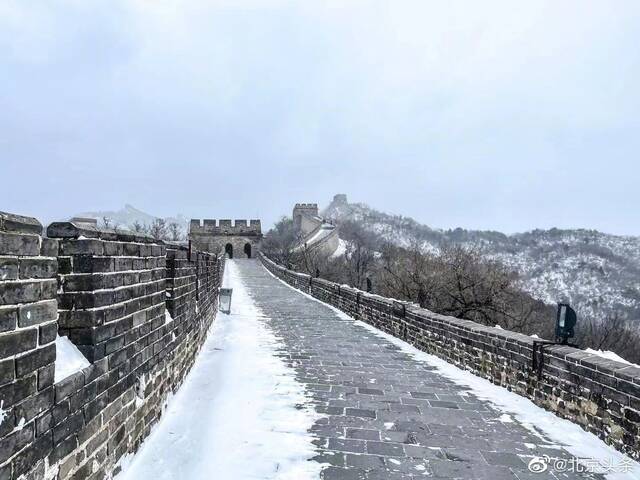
{"points": [[127, 216], [596, 272]]}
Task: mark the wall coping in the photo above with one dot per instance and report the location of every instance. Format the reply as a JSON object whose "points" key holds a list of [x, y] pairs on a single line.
{"points": [[12, 223], [76, 230]]}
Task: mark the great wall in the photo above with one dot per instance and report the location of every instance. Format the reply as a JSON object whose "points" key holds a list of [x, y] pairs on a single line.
{"points": [[139, 311]]}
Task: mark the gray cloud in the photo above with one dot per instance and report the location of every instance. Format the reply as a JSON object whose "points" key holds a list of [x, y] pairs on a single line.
{"points": [[493, 115]]}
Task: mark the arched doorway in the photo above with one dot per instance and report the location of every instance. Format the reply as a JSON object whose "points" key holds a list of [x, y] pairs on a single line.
{"points": [[228, 249], [247, 249]]}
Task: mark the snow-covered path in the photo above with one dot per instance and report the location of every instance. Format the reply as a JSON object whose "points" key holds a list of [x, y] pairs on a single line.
{"points": [[235, 417]]}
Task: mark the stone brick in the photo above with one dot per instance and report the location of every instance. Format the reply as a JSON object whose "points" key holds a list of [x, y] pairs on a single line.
{"points": [[88, 264], [37, 313], [19, 292], [61, 410], [65, 265], [8, 269], [69, 426], [96, 369], [47, 333], [36, 451], [82, 247], [6, 472], [63, 449], [38, 268], [94, 407], [113, 249], [8, 318], [18, 390], [49, 247], [131, 249], [10, 222], [80, 318], [12, 343], [19, 244], [69, 386], [15, 441], [46, 376], [44, 423], [35, 405], [49, 289], [32, 361], [7, 371]]}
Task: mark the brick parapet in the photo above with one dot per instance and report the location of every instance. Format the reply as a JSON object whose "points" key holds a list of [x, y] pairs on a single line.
{"points": [[111, 290]]}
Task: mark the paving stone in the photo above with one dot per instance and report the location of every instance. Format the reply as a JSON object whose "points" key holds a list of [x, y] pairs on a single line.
{"points": [[443, 404], [338, 473], [360, 412], [370, 391], [347, 445], [384, 448], [363, 434], [503, 458], [469, 471], [365, 461]]}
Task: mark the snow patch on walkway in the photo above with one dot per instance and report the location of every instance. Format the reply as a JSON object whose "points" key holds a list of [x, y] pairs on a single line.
{"points": [[575, 440], [240, 414]]}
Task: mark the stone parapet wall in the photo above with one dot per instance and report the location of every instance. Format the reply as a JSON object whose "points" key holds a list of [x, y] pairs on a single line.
{"points": [[600, 395], [138, 309], [28, 328]]}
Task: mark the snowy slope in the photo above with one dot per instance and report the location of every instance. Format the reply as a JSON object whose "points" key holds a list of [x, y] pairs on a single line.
{"points": [[127, 216], [598, 273]]}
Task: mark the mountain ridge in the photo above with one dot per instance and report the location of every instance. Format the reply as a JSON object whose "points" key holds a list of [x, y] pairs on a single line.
{"points": [[599, 273], [128, 215]]}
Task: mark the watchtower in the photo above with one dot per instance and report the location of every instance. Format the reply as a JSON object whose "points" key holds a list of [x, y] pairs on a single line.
{"points": [[240, 238], [305, 217]]}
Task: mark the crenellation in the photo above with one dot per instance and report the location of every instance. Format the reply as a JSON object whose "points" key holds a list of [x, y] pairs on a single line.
{"points": [[240, 223], [225, 226], [306, 205]]}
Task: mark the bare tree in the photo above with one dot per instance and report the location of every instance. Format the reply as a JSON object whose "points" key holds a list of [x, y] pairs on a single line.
{"points": [[106, 222], [158, 228], [175, 232], [612, 333], [139, 227], [360, 253], [280, 242]]}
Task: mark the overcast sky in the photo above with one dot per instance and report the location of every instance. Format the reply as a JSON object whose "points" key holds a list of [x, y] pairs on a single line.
{"points": [[489, 115]]}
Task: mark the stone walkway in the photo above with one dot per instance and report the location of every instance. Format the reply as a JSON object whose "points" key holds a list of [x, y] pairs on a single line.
{"points": [[386, 415]]}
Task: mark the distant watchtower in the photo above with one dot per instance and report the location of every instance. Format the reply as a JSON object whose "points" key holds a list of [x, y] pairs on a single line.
{"points": [[241, 238], [305, 217]]}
